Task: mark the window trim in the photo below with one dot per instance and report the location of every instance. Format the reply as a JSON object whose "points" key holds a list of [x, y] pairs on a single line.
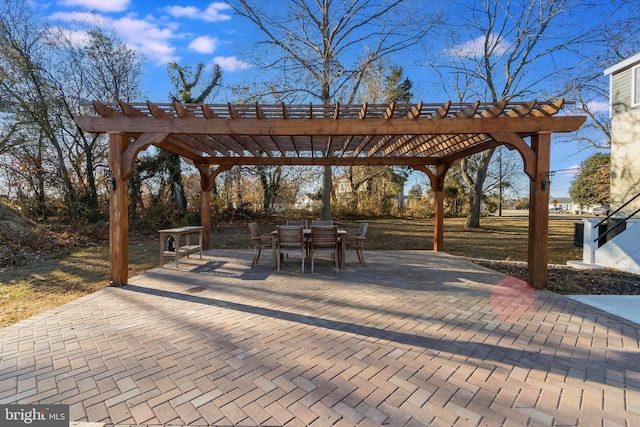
{"points": [[635, 86]]}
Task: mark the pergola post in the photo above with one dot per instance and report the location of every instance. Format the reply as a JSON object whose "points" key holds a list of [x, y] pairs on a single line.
{"points": [[438, 226], [537, 256], [437, 184], [205, 218], [118, 211], [207, 180]]}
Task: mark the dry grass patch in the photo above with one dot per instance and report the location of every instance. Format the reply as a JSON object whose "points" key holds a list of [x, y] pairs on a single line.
{"points": [[41, 285]]}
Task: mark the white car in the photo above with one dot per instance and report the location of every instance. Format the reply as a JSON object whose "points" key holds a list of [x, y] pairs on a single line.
{"points": [[601, 210]]}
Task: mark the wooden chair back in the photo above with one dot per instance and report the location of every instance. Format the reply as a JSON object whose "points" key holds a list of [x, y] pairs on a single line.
{"points": [[290, 239], [259, 242], [363, 229], [357, 242], [324, 240], [324, 236], [253, 229], [290, 235], [301, 222]]}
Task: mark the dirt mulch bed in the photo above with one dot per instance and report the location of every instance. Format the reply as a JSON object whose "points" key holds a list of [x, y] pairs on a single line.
{"points": [[571, 281]]}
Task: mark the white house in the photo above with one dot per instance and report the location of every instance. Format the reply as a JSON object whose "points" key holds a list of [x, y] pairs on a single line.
{"points": [[308, 202], [563, 204]]}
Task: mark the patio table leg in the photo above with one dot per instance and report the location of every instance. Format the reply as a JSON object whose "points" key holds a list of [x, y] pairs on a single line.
{"points": [[274, 253]]}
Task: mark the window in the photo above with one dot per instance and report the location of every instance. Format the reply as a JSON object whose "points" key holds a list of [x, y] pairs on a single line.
{"points": [[635, 86]]}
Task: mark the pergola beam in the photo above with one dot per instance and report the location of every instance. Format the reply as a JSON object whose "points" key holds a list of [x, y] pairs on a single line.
{"points": [[342, 127]]}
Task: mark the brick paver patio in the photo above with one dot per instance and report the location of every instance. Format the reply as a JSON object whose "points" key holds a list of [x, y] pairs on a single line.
{"points": [[416, 338]]}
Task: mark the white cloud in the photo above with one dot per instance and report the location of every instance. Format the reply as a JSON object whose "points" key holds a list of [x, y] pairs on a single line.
{"points": [[475, 48], [204, 44], [99, 5], [146, 37], [598, 106], [183, 11], [85, 17], [156, 41], [77, 38], [213, 12], [231, 63]]}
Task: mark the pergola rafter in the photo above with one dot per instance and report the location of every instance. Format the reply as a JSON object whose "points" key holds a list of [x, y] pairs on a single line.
{"points": [[428, 137]]}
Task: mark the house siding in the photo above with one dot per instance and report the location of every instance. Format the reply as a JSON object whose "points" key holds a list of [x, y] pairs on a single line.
{"points": [[625, 134], [625, 160]]}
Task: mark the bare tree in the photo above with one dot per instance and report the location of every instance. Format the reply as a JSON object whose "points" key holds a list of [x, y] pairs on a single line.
{"points": [[25, 83], [588, 86], [511, 50], [101, 68], [382, 83], [186, 81], [44, 75], [323, 49]]}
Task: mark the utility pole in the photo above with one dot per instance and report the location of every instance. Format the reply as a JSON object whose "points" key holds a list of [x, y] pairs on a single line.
{"points": [[500, 181]]}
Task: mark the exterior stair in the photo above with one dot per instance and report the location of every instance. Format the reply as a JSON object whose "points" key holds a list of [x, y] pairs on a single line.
{"points": [[611, 242]]}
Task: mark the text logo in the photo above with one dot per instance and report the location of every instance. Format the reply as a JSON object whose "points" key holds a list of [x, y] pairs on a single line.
{"points": [[34, 415]]}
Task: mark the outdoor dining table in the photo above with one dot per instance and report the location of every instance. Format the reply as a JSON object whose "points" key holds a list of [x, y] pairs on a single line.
{"points": [[342, 234]]}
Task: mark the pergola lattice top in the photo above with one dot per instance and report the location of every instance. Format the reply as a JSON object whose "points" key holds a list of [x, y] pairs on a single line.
{"points": [[326, 134]]}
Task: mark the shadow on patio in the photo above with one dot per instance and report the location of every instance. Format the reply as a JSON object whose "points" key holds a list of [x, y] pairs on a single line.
{"points": [[415, 338]]}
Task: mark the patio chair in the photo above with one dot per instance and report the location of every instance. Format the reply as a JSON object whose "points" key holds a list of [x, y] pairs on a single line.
{"points": [[321, 222], [357, 242], [304, 224], [324, 240], [259, 242], [290, 239]]}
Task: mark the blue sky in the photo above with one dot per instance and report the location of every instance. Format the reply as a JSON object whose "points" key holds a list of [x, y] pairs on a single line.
{"points": [[162, 31], [208, 32]]}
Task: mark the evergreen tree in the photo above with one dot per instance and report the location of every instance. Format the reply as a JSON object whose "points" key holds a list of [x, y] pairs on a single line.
{"points": [[592, 185]]}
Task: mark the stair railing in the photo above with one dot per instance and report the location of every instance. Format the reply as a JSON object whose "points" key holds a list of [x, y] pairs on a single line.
{"points": [[601, 236]]}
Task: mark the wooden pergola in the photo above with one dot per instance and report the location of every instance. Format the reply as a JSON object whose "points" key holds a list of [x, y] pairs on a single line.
{"points": [[428, 137]]}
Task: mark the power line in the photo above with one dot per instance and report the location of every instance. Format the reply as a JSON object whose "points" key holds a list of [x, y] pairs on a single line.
{"points": [[577, 169]]}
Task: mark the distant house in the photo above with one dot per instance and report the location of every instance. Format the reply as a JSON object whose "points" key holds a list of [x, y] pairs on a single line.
{"points": [[343, 188], [344, 192], [563, 204], [280, 205], [309, 201], [624, 107]]}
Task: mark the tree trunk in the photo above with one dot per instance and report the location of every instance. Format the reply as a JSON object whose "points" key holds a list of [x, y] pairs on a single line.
{"points": [[93, 214], [475, 188], [475, 198], [325, 213], [174, 170], [40, 179], [270, 181], [135, 192]]}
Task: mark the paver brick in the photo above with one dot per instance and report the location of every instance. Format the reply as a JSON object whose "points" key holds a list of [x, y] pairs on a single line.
{"points": [[143, 414], [393, 343]]}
